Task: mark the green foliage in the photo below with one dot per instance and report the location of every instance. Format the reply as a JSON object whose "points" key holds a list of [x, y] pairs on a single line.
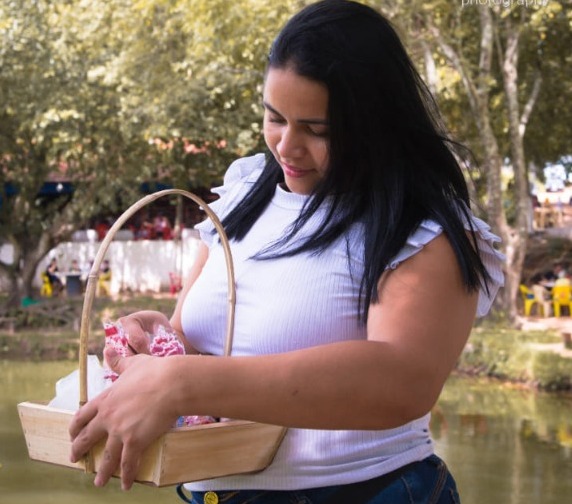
{"points": [[193, 71], [56, 123], [552, 372], [526, 357], [40, 334], [548, 136], [110, 94], [544, 38]]}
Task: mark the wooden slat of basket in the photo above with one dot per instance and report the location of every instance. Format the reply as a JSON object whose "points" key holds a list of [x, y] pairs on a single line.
{"points": [[47, 433], [183, 454]]}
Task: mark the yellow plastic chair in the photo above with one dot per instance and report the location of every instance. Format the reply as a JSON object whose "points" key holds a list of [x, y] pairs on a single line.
{"points": [[562, 296], [104, 284], [528, 299], [46, 290]]}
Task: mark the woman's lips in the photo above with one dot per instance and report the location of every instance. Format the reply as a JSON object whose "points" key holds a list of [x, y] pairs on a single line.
{"points": [[292, 171]]}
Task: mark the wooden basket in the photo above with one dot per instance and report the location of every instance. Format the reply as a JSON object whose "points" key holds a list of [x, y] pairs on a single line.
{"points": [[182, 454]]}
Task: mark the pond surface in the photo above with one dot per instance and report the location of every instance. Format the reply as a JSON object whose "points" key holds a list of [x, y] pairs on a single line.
{"points": [[502, 444]]}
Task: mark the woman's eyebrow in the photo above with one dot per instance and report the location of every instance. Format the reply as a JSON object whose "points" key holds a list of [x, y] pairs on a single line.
{"points": [[304, 121]]}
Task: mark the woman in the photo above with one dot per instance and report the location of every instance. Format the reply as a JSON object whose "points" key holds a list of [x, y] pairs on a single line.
{"points": [[359, 271]]}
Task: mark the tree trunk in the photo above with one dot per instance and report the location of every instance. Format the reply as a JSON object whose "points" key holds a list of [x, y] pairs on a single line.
{"points": [[476, 81], [519, 237], [20, 274], [505, 301]]}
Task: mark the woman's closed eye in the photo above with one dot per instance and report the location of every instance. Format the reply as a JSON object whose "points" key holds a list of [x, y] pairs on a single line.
{"points": [[276, 119], [314, 129], [319, 130]]}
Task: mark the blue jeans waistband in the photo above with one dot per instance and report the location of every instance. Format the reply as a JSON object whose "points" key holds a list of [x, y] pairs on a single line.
{"points": [[425, 482]]}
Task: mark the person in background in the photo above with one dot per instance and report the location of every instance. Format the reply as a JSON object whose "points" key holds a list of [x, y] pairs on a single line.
{"points": [[104, 280], [53, 277], [101, 228], [360, 269], [561, 276], [146, 230], [542, 294], [162, 227], [84, 273]]}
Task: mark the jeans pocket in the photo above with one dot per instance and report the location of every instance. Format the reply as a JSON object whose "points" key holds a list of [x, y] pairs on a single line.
{"points": [[441, 477], [431, 483], [454, 495]]}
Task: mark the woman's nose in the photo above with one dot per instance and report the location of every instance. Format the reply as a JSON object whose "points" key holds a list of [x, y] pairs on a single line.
{"points": [[290, 144]]}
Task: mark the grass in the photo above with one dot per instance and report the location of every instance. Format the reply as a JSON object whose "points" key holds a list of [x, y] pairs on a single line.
{"points": [[45, 342], [518, 356]]}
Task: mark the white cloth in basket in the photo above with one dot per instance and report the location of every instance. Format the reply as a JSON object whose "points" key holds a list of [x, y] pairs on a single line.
{"points": [[67, 388]]}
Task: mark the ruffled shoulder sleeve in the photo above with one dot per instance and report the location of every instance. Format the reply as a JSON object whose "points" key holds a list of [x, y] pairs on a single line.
{"points": [[238, 179], [492, 259]]}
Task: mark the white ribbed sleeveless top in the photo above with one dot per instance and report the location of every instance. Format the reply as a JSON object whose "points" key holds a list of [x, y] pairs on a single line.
{"points": [[296, 302]]}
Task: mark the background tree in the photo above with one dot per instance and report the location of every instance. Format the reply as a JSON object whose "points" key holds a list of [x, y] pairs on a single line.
{"points": [[109, 94], [548, 135], [192, 72], [489, 59], [57, 123]]}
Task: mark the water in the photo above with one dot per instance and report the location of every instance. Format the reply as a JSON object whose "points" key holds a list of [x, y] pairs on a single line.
{"points": [[503, 445], [23, 481]]}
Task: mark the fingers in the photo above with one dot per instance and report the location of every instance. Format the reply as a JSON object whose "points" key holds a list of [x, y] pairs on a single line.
{"points": [[139, 325], [112, 358], [82, 417], [117, 414], [84, 435], [85, 432], [130, 461], [117, 455], [138, 339], [138, 342], [110, 461], [117, 362]]}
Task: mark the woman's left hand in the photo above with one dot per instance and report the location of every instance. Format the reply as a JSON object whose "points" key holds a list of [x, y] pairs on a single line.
{"points": [[122, 414]]}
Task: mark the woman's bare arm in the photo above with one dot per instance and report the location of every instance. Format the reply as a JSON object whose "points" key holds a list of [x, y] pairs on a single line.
{"points": [[415, 335]]}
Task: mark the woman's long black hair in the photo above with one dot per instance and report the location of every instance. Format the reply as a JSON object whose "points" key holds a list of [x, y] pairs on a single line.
{"points": [[391, 164]]}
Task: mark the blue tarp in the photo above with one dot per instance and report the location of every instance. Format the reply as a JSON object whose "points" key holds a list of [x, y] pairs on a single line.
{"points": [[47, 189], [151, 187], [58, 188]]}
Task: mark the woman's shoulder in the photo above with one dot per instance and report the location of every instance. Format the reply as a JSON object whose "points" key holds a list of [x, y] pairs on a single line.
{"points": [[238, 179], [493, 260], [245, 170]]}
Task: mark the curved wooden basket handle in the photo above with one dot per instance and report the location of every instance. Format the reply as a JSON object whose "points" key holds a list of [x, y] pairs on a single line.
{"points": [[94, 275]]}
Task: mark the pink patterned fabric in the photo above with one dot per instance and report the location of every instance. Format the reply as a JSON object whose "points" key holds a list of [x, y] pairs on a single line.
{"points": [[163, 344]]}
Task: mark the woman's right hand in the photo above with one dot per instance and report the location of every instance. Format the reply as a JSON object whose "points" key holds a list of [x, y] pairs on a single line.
{"points": [[139, 327]]}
